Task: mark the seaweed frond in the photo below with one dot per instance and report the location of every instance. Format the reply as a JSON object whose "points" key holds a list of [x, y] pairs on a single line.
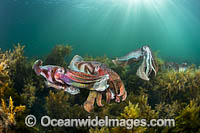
{"points": [[58, 54], [189, 119], [7, 114]]}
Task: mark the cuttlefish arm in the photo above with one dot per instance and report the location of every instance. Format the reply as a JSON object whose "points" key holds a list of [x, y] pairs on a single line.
{"points": [[89, 103], [141, 71], [148, 64], [98, 99]]}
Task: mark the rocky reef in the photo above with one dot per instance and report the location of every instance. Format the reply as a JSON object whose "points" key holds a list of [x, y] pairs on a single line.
{"points": [[170, 94]]}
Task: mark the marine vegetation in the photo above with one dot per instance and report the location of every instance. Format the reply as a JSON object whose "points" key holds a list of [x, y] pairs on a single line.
{"points": [[7, 115], [170, 94], [58, 54], [188, 120]]}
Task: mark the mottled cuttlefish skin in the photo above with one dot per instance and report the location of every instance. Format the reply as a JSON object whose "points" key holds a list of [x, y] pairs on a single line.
{"points": [[52, 74], [96, 76], [69, 80], [115, 87], [147, 65]]}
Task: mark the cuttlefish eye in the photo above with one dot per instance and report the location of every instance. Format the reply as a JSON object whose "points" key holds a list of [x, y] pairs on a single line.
{"points": [[60, 70], [144, 48], [96, 68], [52, 71]]}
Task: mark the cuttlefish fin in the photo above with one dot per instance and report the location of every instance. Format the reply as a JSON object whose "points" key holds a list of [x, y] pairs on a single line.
{"points": [[141, 72], [75, 59], [119, 62], [49, 84], [89, 103], [72, 90]]}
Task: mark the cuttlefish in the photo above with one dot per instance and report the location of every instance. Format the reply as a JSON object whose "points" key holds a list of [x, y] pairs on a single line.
{"points": [[68, 80], [116, 87], [148, 63]]}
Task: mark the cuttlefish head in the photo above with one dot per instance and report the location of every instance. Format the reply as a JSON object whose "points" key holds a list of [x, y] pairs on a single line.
{"points": [[50, 72], [100, 69]]}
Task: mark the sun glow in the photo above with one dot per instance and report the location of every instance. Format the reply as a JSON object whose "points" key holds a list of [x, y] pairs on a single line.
{"points": [[133, 1]]}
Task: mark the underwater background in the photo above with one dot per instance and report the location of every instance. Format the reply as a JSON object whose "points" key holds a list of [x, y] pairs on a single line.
{"points": [[100, 30], [98, 27]]}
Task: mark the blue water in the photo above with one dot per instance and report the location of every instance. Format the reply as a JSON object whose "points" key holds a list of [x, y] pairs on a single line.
{"points": [[98, 27]]}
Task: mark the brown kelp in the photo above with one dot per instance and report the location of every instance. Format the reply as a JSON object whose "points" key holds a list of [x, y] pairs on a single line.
{"points": [[58, 54], [7, 115], [11, 62], [188, 119]]}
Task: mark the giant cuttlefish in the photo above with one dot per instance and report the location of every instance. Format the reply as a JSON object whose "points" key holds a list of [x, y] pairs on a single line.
{"points": [[148, 63], [68, 80], [95, 76], [116, 87]]}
